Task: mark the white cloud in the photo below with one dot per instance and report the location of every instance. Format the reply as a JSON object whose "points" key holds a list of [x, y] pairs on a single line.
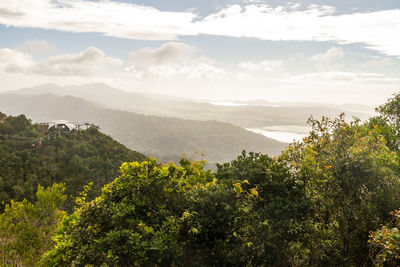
{"points": [[172, 59], [196, 77], [342, 77], [379, 62], [204, 71], [107, 17], [187, 71], [167, 53], [9, 57], [331, 59], [36, 47], [377, 30], [253, 1], [265, 65], [90, 61]]}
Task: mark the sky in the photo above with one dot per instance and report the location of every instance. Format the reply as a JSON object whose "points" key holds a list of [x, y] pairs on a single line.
{"points": [[328, 51]]}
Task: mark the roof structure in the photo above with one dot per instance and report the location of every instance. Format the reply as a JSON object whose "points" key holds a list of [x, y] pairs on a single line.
{"points": [[63, 123]]}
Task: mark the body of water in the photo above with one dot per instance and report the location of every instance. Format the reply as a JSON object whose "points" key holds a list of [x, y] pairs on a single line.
{"points": [[283, 133]]}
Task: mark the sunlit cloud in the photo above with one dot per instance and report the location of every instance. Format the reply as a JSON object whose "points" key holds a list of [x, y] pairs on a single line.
{"points": [[264, 65], [90, 61], [171, 52], [180, 69], [331, 59], [375, 30], [14, 57], [109, 18], [316, 23], [37, 47], [193, 70], [172, 60]]}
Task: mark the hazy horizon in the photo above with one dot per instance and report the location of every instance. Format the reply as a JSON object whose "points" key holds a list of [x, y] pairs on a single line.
{"points": [[309, 50], [226, 101]]}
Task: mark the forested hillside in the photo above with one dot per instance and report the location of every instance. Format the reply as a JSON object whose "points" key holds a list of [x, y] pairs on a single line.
{"points": [[162, 137], [30, 155]]}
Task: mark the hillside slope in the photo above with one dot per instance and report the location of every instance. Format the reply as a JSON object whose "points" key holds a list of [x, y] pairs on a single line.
{"points": [[166, 138], [30, 155]]}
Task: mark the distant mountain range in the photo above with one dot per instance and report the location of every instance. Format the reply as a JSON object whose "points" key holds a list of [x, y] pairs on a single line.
{"points": [[258, 113], [166, 126], [163, 137]]}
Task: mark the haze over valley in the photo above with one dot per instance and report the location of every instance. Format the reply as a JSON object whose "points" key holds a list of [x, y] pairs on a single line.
{"points": [[169, 127]]}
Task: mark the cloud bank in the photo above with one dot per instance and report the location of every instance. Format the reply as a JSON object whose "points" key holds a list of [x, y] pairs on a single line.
{"points": [[109, 18], [171, 52], [172, 68], [90, 61], [376, 30]]}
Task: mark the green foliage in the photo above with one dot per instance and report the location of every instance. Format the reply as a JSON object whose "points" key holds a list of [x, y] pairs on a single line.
{"points": [[26, 229], [157, 214], [74, 158], [388, 122], [385, 243], [351, 177], [139, 218], [279, 209]]}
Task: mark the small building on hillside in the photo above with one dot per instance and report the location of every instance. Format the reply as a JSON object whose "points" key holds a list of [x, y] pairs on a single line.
{"points": [[63, 125]]}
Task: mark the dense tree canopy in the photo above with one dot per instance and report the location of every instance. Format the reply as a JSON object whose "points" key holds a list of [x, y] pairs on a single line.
{"points": [[351, 177], [30, 155], [170, 215]]}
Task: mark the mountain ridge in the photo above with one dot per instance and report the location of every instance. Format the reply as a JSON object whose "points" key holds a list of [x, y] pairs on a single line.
{"points": [[163, 137], [245, 116]]}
